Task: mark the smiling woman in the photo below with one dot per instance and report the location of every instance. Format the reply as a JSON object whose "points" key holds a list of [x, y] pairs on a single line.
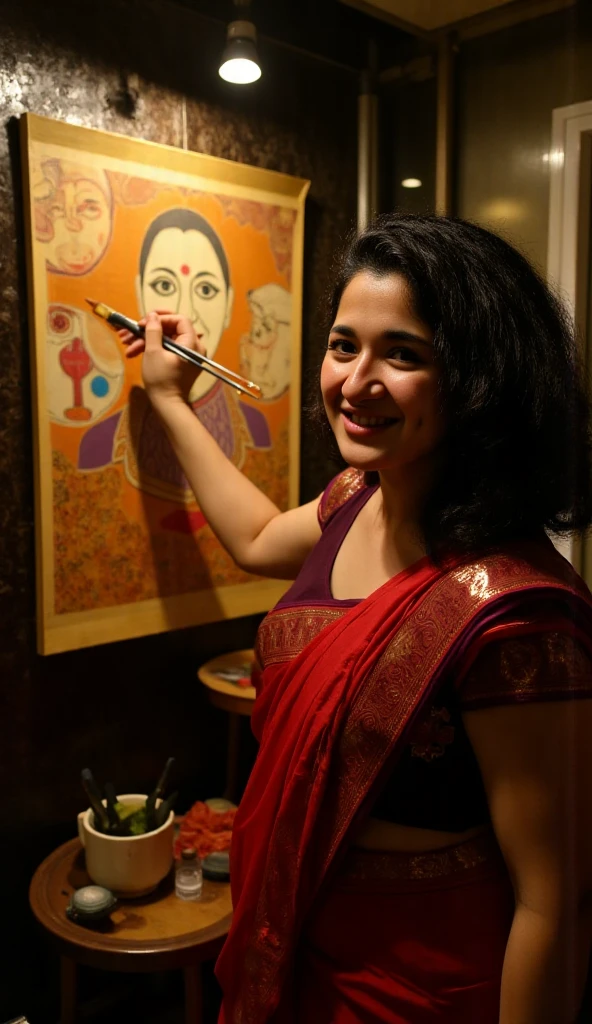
{"points": [[379, 381], [412, 844]]}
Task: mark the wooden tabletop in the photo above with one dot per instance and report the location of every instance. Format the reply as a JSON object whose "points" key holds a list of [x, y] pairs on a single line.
{"points": [[154, 932], [224, 694]]}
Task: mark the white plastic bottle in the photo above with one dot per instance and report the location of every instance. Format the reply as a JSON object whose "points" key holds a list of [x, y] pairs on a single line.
{"points": [[188, 876]]}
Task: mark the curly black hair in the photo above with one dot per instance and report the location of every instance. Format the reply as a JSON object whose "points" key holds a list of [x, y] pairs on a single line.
{"points": [[518, 452]]}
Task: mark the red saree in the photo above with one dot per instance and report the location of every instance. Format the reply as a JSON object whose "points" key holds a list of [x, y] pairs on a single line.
{"points": [[331, 722]]}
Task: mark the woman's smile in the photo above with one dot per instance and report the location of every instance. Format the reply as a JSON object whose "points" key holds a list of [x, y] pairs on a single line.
{"points": [[379, 377], [363, 424]]}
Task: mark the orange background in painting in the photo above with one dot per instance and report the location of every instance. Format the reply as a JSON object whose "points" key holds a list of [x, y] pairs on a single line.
{"points": [[113, 281]]}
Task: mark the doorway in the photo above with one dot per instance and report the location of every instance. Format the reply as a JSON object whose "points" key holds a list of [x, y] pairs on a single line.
{"points": [[569, 254]]}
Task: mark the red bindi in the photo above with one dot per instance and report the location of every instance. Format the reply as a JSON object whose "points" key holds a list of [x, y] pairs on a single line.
{"points": [[185, 269]]}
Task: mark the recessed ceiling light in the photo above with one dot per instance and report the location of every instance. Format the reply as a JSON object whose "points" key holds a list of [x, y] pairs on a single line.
{"points": [[411, 183]]}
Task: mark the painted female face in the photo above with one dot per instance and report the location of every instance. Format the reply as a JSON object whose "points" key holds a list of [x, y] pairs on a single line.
{"points": [[183, 274], [73, 216], [379, 378]]}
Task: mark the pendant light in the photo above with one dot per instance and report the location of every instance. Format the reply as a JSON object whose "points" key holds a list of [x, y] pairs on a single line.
{"points": [[240, 61]]}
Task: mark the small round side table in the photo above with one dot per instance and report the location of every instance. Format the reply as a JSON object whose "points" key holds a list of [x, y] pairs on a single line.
{"points": [[158, 932], [236, 700]]}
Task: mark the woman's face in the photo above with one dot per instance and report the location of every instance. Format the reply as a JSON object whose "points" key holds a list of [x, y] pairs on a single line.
{"points": [[379, 378], [73, 218], [183, 275]]}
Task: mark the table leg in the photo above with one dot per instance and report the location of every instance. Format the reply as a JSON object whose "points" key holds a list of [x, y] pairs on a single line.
{"points": [[232, 759], [67, 990], [193, 995]]}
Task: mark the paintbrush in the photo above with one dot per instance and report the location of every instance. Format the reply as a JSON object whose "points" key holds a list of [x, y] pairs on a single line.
{"points": [[119, 321], [164, 809], [156, 792], [111, 798], [101, 820]]}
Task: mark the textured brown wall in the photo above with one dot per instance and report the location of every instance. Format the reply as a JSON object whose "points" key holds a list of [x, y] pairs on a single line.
{"points": [[123, 708]]}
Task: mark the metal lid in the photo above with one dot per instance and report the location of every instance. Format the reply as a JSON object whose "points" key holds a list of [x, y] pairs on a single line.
{"points": [[91, 901]]}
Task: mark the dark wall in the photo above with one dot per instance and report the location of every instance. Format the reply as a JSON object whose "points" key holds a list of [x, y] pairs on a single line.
{"points": [[508, 85], [408, 145], [123, 708]]}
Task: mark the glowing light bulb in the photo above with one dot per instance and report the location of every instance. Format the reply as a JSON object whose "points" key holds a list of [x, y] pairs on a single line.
{"points": [[240, 62], [240, 71]]}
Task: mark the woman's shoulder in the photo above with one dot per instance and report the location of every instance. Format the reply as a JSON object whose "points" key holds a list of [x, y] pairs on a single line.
{"points": [[518, 565], [538, 644], [338, 491], [555, 664]]}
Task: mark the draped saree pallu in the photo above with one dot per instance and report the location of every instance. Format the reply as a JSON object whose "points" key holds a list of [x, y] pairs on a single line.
{"points": [[337, 699]]}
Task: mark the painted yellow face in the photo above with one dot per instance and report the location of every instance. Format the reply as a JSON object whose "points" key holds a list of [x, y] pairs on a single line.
{"points": [[183, 274]]}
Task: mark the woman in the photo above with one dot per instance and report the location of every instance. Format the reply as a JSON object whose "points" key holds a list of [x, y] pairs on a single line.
{"points": [[414, 843]]}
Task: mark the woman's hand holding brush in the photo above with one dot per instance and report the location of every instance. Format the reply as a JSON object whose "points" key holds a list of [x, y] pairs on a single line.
{"points": [[165, 375]]}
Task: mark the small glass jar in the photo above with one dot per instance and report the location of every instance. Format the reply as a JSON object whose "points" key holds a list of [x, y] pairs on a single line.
{"points": [[188, 876]]}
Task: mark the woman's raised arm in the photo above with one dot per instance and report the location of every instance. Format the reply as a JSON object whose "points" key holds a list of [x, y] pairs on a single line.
{"points": [[259, 537]]}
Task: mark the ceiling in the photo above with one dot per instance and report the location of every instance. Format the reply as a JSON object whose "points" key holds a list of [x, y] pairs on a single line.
{"points": [[342, 32], [424, 16], [331, 30]]}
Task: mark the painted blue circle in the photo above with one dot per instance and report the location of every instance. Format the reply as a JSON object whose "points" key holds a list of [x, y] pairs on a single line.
{"points": [[99, 386]]}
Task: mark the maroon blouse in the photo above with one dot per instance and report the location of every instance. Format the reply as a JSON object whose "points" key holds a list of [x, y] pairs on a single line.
{"points": [[437, 782]]}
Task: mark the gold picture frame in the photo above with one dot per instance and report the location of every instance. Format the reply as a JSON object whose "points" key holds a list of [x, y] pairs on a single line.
{"points": [[122, 549]]}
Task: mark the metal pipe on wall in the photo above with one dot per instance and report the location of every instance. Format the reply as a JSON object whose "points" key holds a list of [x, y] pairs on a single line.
{"points": [[445, 123], [368, 142]]}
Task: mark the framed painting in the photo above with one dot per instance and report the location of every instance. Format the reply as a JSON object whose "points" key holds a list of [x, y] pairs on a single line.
{"points": [[122, 548]]}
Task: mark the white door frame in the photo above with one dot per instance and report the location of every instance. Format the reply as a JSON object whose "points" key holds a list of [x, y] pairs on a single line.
{"points": [[568, 252]]}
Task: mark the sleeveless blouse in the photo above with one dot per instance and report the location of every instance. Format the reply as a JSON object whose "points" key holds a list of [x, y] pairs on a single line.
{"points": [[437, 782]]}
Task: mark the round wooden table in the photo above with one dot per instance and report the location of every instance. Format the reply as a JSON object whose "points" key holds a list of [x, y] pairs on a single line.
{"points": [[234, 699], [157, 932]]}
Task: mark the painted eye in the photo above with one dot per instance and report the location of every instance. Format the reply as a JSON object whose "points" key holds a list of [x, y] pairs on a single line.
{"points": [[60, 322], [163, 286], [89, 208], [206, 290]]}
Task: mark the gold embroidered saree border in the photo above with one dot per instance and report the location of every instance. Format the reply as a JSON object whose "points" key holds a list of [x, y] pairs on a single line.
{"points": [[391, 691], [374, 867], [339, 491], [528, 668], [284, 634], [375, 723]]}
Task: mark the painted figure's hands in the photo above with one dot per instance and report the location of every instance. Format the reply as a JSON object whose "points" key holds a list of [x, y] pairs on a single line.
{"points": [[165, 375]]}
